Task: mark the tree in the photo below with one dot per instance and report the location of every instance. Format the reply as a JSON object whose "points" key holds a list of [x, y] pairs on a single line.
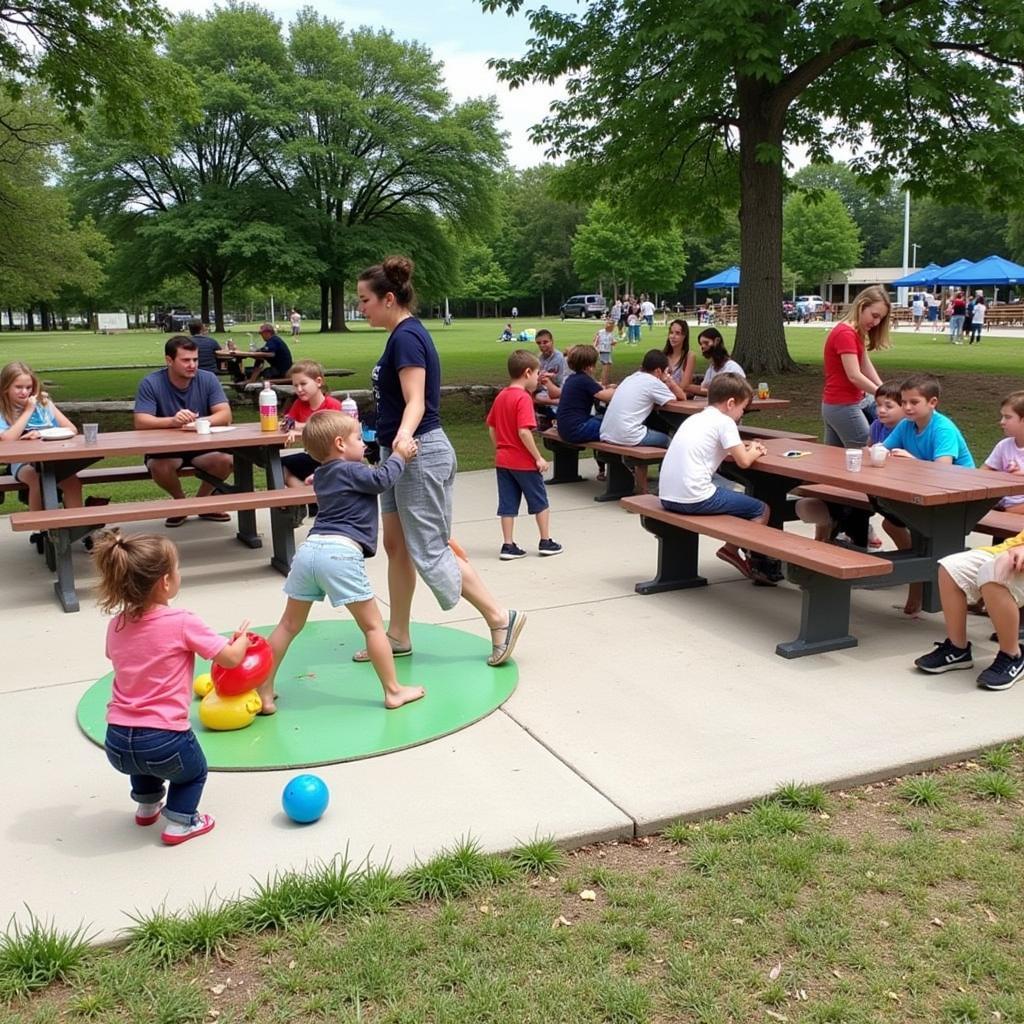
{"points": [[948, 232], [483, 280], [819, 237], [702, 112], [877, 214], [608, 248], [534, 242], [203, 206], [95, 50], [44, 251], [366, 141]]}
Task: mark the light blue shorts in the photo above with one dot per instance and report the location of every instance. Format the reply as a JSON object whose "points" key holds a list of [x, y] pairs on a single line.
{"points": [[328, 566]]}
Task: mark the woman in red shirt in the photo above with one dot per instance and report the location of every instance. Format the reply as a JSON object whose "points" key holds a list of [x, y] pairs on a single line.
{"points": [[850, 377]]}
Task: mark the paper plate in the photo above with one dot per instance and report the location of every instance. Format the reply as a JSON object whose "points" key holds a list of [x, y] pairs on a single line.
{"points": [[56, 434]]}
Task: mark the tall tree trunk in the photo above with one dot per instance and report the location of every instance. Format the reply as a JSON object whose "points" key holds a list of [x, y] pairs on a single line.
{"points": [[217, 284], [30, 322], [338, 325], [760, 346], [204, 311], [325, 309], [542, 313]]}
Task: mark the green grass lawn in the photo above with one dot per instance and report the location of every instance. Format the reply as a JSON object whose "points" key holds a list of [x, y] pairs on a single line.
{"points": [[974, 377], [899, 901]]}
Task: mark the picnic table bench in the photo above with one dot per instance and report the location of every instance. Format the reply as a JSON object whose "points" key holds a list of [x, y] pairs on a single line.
{"points": [[995, 523], [824, 572], [621, 479]]}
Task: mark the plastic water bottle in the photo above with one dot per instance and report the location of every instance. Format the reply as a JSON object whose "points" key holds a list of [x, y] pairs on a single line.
{"points": [[268, 409], [349, 407]]}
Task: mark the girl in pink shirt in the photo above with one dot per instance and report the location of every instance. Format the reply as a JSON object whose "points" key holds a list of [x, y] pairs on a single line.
{"points": [[153, 647]]}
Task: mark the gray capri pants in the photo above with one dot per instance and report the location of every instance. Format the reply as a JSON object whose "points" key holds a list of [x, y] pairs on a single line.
{"points": [[422, 497], [846, 426]]}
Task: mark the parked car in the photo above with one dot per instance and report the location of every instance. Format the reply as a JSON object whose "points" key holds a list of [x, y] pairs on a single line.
{"points": [[584, 306], [175, 319], [808, 306]]}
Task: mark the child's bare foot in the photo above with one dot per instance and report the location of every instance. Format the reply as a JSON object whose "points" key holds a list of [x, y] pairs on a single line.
{"points": [[403, 695], [267, 698]]}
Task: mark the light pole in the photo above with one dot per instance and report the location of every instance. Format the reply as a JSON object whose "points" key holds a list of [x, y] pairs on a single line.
{"points": [[915, 246]]}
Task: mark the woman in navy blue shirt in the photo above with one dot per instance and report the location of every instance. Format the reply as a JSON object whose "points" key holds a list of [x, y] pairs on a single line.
{"points": [[417, 512]]}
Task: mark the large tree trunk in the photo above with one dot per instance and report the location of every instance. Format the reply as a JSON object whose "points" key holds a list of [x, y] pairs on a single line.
{"points": [[325, 309], [337, 290], [760, 346], [204, 311], [217, 284], [30, 322]]}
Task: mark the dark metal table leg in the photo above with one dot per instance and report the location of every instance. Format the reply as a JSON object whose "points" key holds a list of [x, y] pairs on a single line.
{"points": [[620, 480], [824, 615], [282, 520], [247, 533], [566, 463], [677, 559]]}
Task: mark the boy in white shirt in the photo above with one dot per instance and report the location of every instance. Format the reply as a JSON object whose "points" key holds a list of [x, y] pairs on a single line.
{"points": [[635, 399], [700, 445]]}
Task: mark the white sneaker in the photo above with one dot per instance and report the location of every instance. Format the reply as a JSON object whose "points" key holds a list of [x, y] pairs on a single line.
{"points": [[175, 833]]}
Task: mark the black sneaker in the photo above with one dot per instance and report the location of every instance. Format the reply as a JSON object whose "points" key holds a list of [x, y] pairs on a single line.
{"points": [[945, 658], [765, 571], [1003, 672], [549, 547], [510, 551]]}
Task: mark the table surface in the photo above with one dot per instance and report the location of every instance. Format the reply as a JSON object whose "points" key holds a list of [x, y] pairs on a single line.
{"points": [[690, 406], [900, 479], [142, 442]]}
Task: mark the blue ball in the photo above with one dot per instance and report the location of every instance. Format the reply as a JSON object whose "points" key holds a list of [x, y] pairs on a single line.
{"points": [[305, 798]]}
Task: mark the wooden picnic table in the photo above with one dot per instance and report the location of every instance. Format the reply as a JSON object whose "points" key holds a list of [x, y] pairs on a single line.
{"points": [[684, 407], [246, 442], [940, 503]]}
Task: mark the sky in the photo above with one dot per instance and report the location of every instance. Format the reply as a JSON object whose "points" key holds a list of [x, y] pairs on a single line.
{"points": [[459, 34]]}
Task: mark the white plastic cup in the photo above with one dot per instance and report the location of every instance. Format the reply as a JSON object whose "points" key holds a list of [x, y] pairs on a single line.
{"points": [[854, 460], [202, 426], [91, 433], [879, 453]]}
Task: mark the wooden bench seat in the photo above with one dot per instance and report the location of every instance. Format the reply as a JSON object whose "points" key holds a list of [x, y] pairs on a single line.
{"points": [[101, 475], [65, 525], [622, 480], [824, 572], [995, 523]]}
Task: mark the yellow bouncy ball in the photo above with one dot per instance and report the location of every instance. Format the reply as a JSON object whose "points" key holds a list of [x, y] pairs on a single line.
{"points": [[203, 684], [223, 714]]}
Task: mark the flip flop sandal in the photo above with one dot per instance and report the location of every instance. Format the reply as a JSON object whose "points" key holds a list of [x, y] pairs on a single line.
{"points": [[174, 521], [216, 517], [396, 652]]}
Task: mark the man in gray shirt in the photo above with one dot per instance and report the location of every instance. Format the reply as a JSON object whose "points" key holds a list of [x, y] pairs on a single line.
{"points": [[551, 375], [173, 398]]}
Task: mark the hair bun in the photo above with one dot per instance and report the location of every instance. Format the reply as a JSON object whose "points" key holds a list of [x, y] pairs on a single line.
{"points": [[398, 269]]}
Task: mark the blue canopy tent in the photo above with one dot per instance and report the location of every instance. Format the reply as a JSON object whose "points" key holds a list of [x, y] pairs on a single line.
{"points": [[992, 270], [728, 278], [919, 278]]}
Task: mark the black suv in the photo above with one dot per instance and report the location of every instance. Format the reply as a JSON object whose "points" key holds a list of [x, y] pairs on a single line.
{"points": [[175, 320]]}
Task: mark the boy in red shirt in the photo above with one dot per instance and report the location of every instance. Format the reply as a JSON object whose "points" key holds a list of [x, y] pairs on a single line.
{"points": [[518, 462]]}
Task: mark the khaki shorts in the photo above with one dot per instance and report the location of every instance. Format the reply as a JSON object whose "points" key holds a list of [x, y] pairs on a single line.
{"points": [[972, 569]]}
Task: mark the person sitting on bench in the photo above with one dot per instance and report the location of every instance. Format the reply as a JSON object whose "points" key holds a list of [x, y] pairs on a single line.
{"points": [[277, 367], [629, 420], [173, 398]]}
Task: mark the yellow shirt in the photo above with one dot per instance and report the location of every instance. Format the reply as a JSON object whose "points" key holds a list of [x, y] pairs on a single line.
{"points": [[1010, 542]]}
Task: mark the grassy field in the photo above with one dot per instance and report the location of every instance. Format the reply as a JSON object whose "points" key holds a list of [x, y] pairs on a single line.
{"points": [[974, 377], [899, 901]]}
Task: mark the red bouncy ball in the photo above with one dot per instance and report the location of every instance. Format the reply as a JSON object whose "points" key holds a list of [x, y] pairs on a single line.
{"points": [[252, 673]]}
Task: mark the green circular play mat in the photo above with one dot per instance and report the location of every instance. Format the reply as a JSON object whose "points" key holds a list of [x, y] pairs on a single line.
{"points": [[330, 709]]}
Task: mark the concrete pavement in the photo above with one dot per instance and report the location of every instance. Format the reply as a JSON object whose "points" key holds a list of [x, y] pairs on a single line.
{"points": [[631, 711]]}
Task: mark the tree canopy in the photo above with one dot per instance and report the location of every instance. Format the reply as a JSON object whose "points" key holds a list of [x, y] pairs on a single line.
{"points": [[700, 114], [92, 51], [819, 236]]}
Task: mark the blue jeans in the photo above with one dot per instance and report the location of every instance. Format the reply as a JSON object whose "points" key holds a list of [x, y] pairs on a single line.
{"points": [[656, 438], [149, 757]]}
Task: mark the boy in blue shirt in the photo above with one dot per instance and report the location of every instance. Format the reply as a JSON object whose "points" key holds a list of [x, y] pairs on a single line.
{"points": [[926, 433]]}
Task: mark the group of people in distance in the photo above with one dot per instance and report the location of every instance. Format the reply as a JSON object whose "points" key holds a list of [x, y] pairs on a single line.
{"points": [[629, 314], [965, 315], [859, 408]]}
